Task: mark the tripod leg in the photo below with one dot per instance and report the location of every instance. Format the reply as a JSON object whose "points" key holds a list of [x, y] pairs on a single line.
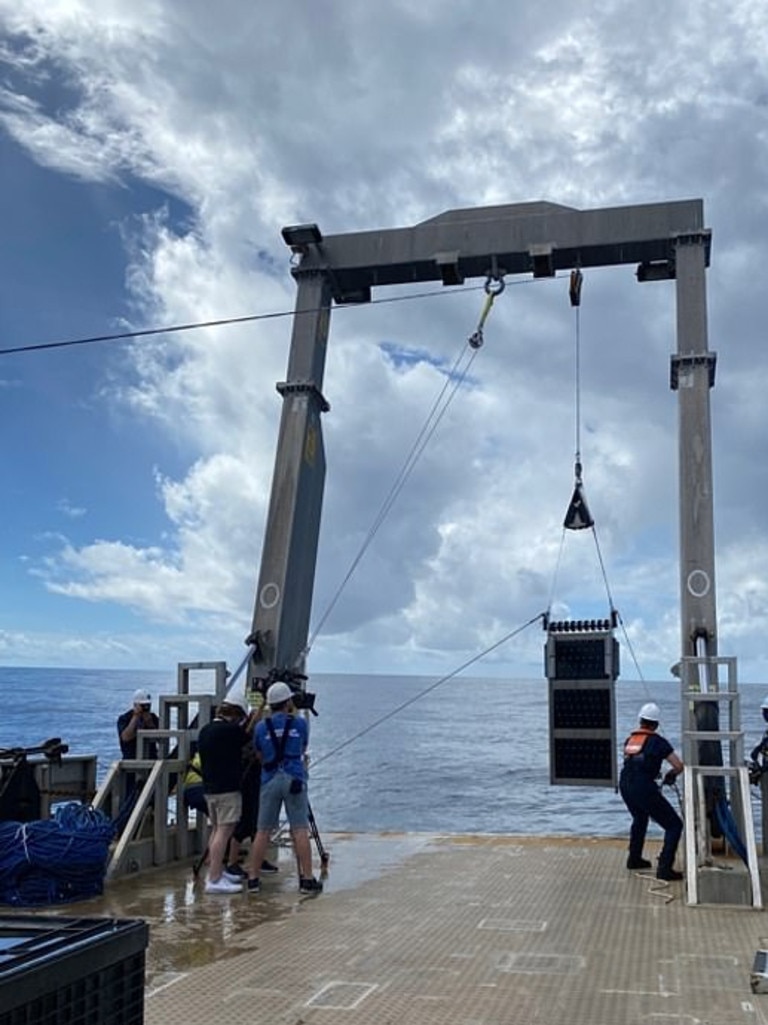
{"points": [[199, 864], [322, 853]]}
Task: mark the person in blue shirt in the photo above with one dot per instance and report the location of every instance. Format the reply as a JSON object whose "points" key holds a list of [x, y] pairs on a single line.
{"points": [[280, 741], [644, 751]]}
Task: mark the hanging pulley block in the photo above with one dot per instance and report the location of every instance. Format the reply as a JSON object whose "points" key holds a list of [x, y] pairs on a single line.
{"points": [[578, 516]]}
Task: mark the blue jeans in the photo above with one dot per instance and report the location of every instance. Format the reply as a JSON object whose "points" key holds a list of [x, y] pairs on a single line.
{"points": [[275, 793]]}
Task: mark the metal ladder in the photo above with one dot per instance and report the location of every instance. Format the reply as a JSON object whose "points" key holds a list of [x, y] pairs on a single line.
{"points": [[158, 830], [704, 693]]}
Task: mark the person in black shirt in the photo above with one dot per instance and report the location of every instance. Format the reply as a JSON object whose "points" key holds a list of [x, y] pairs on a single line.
{"points": [[759, 754], [139, 717], [644, 751], [220, 745]]}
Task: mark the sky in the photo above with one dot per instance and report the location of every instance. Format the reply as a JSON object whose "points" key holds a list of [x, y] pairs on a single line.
{"points": [[150, 153]]}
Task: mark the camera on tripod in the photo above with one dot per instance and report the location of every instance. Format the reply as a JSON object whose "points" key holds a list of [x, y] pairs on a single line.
{"points": [[303, 700]]}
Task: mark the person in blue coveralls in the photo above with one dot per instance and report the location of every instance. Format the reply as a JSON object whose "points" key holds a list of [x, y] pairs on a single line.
{"points": [[280, 741], [644, 751]]}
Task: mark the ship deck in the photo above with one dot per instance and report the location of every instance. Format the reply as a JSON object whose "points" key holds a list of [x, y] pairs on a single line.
{"points": [[445, 930]]}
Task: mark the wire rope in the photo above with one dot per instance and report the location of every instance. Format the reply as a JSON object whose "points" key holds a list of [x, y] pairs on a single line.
{"points": [[247, 319], [224, 322], [427, 690], [229, 321], [613, 608], [578, 392], [557, 571], [417, 448], [575, 295]]}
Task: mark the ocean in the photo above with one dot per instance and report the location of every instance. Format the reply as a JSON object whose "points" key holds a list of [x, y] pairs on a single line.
{"points": [[400, 753]]}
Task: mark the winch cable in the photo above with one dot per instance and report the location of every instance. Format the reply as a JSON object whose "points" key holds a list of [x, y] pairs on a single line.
{"points": [[556, 572], [578, 516], [616, 612], [250, 318], [574, 292], [422, 439], [494, 286], [612, 607], [427, 690]]}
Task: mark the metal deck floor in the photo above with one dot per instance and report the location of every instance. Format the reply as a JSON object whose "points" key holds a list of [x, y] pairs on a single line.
{"points": [[427, 930]]}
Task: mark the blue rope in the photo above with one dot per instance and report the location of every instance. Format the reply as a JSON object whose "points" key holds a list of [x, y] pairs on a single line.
{"points": [[125, 809], [55, 861], [730, 830]]}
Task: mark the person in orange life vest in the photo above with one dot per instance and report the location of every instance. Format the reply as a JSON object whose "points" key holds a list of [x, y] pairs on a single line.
{"points": [[644, 751]]}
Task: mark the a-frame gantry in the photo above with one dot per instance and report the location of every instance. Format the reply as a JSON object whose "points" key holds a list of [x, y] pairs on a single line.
{"points": [[667, 241]]}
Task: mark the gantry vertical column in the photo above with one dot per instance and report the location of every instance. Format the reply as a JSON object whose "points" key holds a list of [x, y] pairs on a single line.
{"points": [[693, 374], [286, 580]]}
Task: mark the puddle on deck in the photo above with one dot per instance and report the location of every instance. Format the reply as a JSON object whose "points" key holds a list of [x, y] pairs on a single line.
{"points": [[189, 928]]}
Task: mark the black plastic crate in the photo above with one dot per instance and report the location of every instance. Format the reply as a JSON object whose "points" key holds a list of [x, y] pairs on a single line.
{"points": [[71, 971]]}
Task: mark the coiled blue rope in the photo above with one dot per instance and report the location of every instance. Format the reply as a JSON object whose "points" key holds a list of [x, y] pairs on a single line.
{"points": [[55, 861]]}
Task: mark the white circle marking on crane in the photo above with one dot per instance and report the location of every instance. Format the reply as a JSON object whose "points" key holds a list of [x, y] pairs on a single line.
{"points": [[697, 583], [270, 596]]}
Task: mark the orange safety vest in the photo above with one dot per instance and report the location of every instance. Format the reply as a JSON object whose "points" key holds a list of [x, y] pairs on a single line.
{"points": [[635, 742]]}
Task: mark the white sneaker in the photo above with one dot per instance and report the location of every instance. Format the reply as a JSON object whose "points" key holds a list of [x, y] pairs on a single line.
{"points": [[233, 878], [223, 885]]}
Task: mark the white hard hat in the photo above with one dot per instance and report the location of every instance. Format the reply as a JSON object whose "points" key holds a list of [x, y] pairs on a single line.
{"points": [[278, 693], [650, 712], [764, 702], [237, 700], [142, 697]]}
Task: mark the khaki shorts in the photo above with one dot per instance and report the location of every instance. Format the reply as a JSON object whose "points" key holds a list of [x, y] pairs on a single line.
{"points": [[224, 809]]}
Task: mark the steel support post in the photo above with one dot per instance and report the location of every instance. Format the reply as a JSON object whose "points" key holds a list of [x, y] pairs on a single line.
{"points": [[284, 594], [694, 376]]}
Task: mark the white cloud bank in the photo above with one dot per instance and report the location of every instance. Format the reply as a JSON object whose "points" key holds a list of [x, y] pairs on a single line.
{"points": [[362, 117]]}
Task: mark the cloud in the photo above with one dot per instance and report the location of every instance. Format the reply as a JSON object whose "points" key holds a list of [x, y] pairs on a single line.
{"points": [[194, 573], [385, 117], [73, 511]]}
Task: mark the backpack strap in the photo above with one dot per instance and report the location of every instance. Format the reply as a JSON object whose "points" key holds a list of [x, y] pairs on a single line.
{"points": [[279, 745]]}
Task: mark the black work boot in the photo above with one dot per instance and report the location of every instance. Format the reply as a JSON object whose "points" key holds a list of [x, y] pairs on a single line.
{"points": [[634, 863], [668, 873]]}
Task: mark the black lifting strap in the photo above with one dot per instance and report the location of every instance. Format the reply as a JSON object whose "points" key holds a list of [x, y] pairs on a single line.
{"points": [[278, 744]]}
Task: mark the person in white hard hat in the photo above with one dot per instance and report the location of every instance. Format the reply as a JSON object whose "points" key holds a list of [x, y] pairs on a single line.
{"points": [[139, 717], [644, 751], [280, 741], [220, 746], [759, 754]]}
